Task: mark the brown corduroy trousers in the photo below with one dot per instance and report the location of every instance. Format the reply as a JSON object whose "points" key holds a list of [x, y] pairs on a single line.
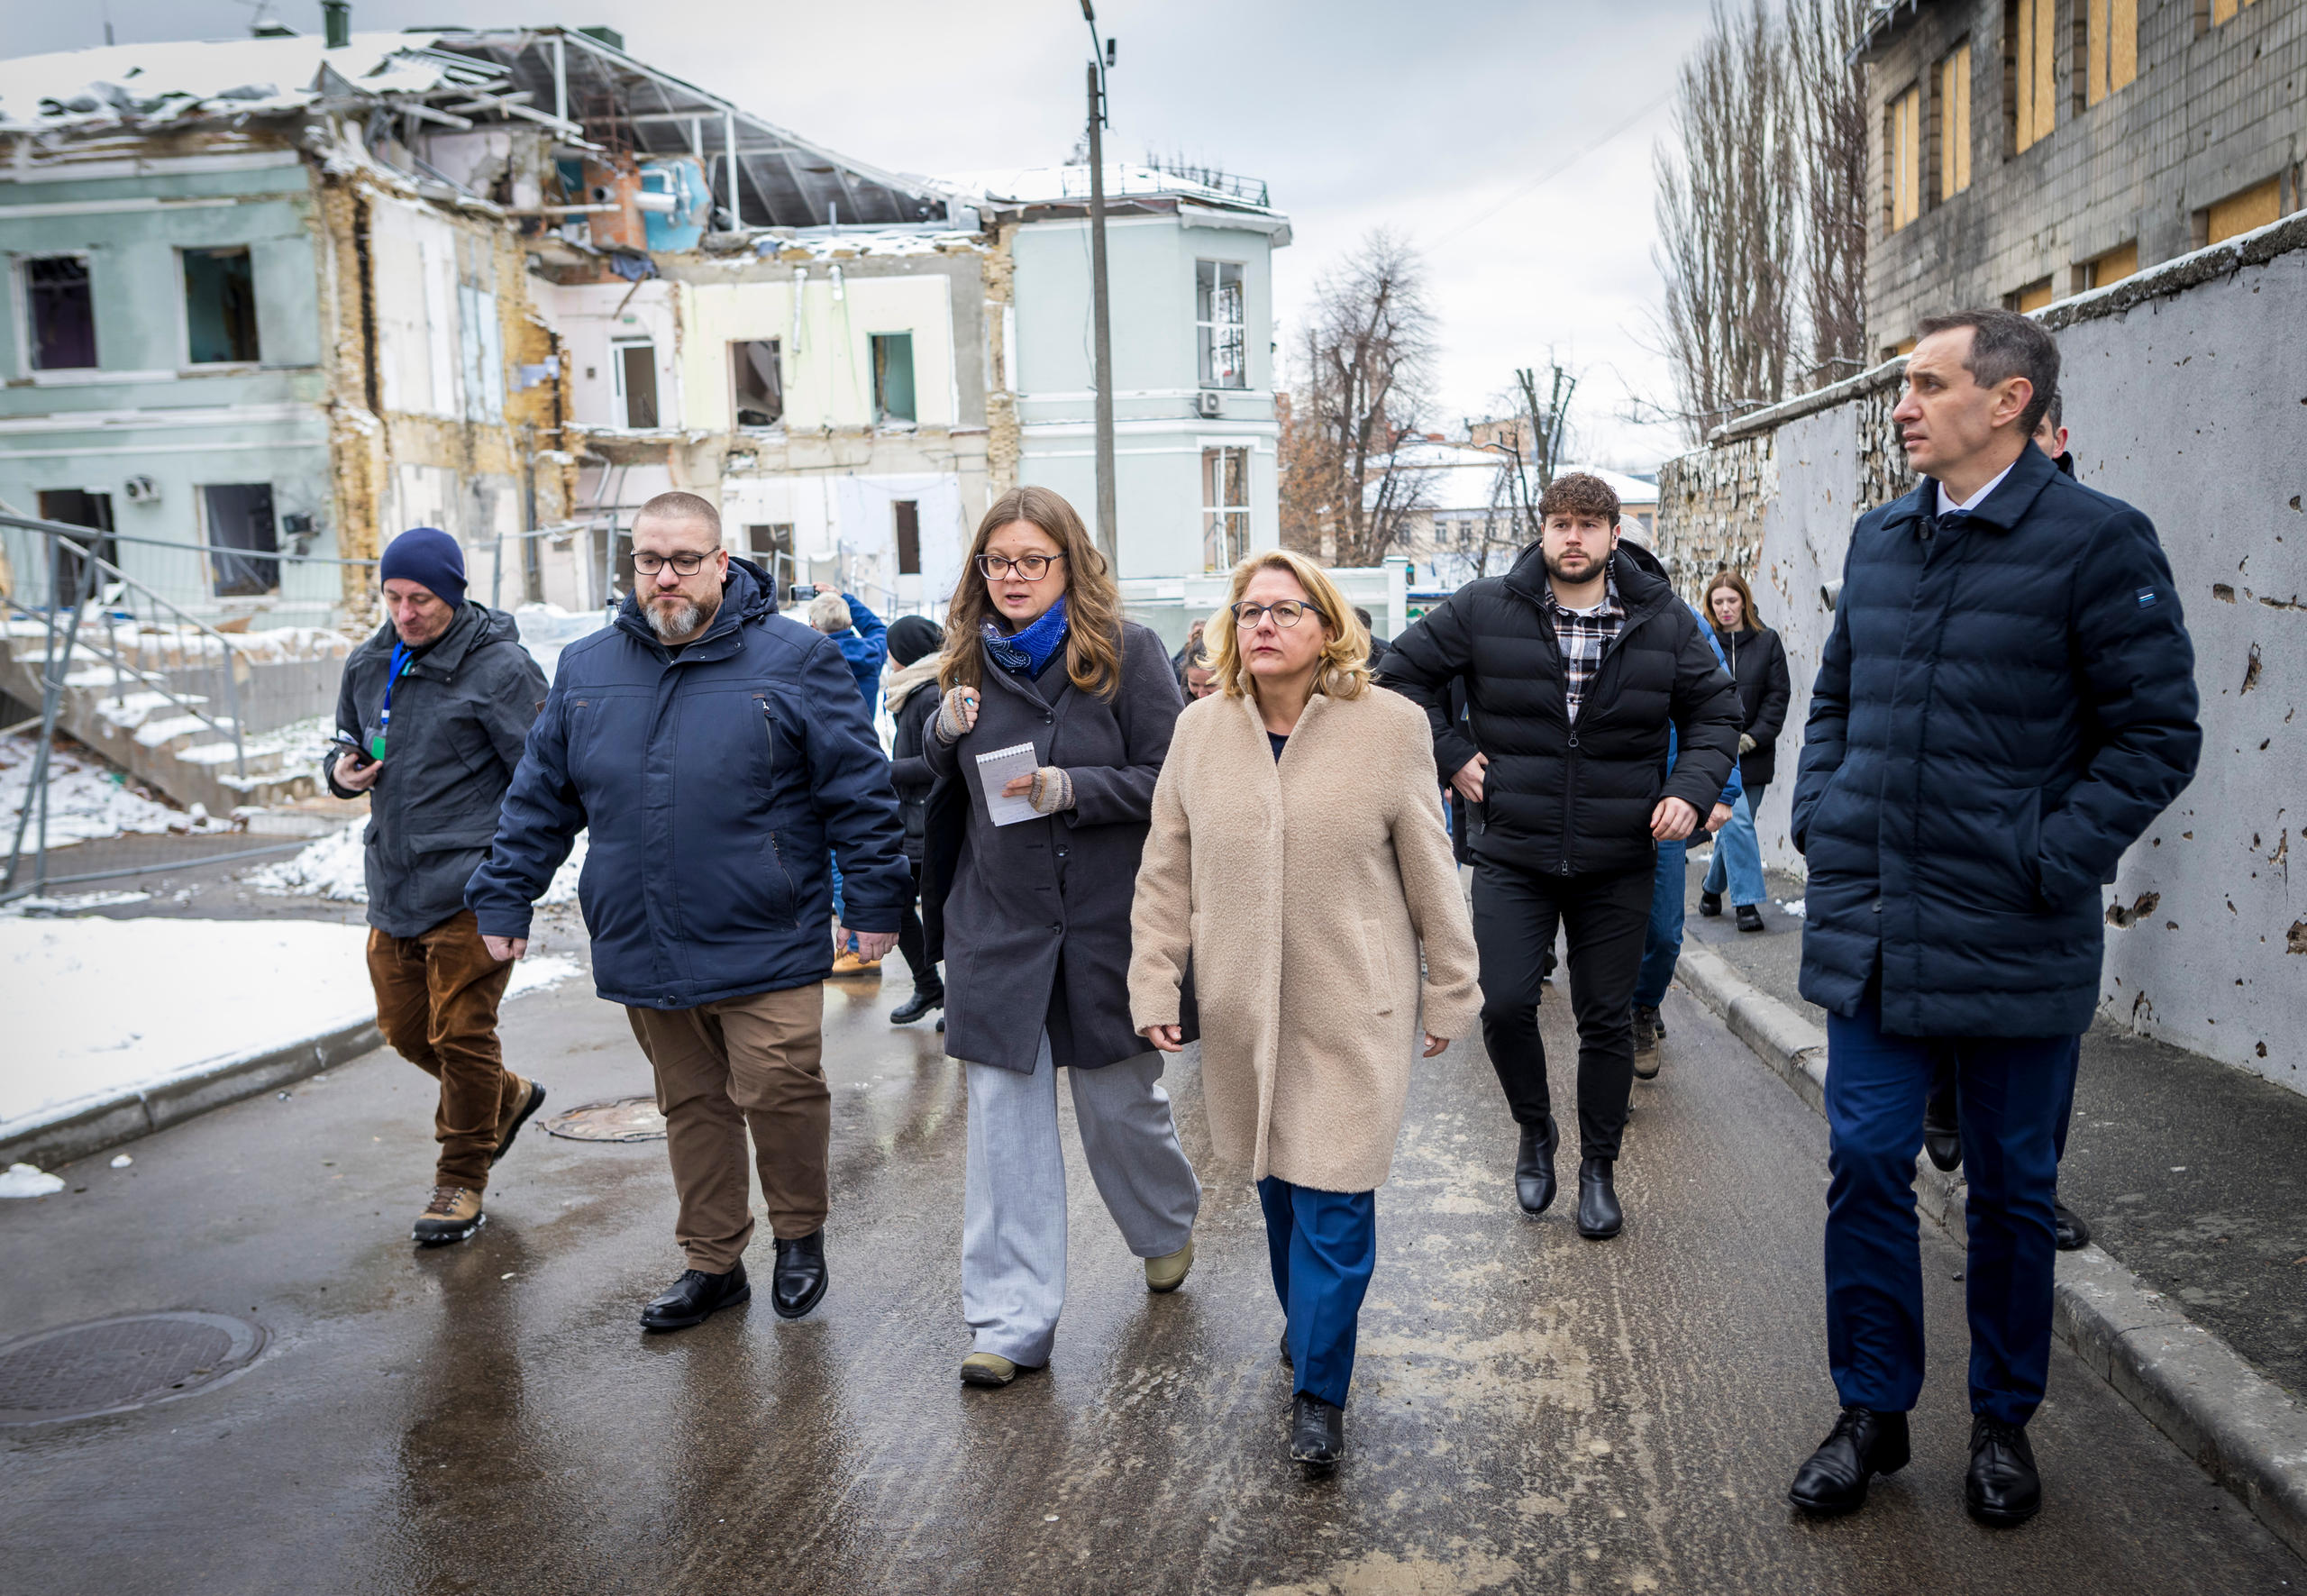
{"points": [[436, 1003], [752, 1061]]}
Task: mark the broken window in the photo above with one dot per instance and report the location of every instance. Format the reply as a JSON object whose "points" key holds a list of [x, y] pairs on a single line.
{"points": [[893, 377], [1225, 507], [758, 385], [772, 548], [62, 316], [220, 307], [636, 383], [1219, 328], [240, 517], [908, 519], [82, 508]]}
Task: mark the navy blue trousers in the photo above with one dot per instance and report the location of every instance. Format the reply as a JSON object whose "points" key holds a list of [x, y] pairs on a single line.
{"points": [[2015, 1091], [1323, 1245]]}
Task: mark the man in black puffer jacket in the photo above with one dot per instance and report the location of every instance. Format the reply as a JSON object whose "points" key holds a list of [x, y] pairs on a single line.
{"points": [[2006, 700], [1574, 663]]}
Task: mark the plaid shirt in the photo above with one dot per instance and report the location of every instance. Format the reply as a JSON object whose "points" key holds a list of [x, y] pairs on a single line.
{"points": [[1583, 635]]}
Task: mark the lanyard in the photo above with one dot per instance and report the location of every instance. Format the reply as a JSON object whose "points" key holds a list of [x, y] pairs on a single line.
{"points": [[401, 661]]}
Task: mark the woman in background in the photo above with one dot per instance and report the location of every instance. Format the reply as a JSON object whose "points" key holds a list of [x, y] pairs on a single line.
{"points": [[1758, 661], [911, 694]]}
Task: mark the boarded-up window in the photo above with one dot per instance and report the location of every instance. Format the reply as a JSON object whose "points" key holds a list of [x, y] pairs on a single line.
{"points": [[757, 382], [1220, 326], [1903, 156], [1952, 85], [908, 527], [2111, 47], [1225, 507], [2111, 267], [2033, 297], [2256, 206], [893, 377], [239, 517], [2215, 11], [219, 307], [636, 383], [2029, 60], [62, 315]]}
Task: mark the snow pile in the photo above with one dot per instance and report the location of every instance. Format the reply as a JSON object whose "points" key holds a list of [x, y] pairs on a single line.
{"points": [[25, 1179], [125, 1005], [334, 868], [1793, 905], [86, 798], [73, 903]]}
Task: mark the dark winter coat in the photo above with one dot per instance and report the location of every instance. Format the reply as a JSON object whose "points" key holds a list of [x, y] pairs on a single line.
{"points": [[2006, 701], [713, 781], [1758, 660], [1032, 919], [461, 715], [909, 770], [1559, 799]]}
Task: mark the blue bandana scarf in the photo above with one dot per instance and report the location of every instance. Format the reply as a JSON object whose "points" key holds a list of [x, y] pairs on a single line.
{"points": [[1029, 649]]}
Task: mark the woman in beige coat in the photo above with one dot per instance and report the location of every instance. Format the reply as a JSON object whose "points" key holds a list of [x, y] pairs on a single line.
{"points": [[1298, 854]]}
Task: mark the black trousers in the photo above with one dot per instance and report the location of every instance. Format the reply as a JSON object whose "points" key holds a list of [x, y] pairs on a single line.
{"points": [[915, 945], [1605, 915]]}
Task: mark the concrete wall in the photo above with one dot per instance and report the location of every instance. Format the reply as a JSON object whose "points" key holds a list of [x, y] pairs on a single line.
{"points": [[1159, 437], [2187, 393]]}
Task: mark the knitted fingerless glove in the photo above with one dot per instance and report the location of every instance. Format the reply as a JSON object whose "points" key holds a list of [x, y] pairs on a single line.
{"points": [[1053, 791], [955, 716]]}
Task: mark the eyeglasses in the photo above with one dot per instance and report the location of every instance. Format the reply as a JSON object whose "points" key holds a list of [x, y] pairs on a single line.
{"points": [[1032, 567], [686, 564], [1285, 612]]}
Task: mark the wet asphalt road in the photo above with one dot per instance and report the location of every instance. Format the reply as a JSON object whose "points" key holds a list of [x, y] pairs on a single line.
{"points": [[1531, 1411]]}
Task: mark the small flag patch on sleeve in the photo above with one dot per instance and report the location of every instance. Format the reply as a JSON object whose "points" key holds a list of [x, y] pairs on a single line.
{"points": [[2145, 596]]}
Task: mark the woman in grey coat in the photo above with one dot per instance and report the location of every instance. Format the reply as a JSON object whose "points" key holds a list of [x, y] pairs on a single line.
{"points": [[1055, 719]]}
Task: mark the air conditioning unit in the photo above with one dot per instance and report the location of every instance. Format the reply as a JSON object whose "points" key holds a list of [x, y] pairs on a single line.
{"points": [[1208, 405], [141, 490]]}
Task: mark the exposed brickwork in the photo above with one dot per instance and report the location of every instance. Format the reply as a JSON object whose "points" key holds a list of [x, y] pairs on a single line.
{"points": [[2208, 115]]}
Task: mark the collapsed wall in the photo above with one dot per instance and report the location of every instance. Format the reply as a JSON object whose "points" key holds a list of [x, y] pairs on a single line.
{"points": [[2185, 390]]}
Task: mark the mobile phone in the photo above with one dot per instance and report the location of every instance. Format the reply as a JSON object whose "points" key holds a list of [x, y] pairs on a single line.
{"points": [[802, 593]]}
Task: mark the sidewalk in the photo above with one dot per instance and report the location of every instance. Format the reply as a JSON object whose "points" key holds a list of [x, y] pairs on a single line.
{"points": [[2190, 1172]]}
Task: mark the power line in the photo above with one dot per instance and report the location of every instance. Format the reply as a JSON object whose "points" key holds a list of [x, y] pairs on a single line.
{"points": [[1551, 173]]}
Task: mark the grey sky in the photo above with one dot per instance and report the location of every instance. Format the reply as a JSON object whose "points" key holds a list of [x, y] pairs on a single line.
{"points": [[1438, 120]]}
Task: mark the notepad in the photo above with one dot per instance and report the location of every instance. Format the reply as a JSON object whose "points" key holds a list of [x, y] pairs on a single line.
{"points": [[995, 770]]}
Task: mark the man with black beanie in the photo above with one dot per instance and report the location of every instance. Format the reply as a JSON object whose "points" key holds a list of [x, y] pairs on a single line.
{"points": [[915, 645], [430, 723]]}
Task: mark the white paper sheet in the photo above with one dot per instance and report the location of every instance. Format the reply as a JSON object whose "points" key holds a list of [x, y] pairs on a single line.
{"points": [[995, 770]]}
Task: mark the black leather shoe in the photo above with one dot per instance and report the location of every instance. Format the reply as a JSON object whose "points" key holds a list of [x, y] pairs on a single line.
{"points": [[916, 1007], [2073, 1235], [799, 1278], [1647, 1032], [1750, 918], [1942, 1130], [1534, 1167], [1598, 1216], [1709, 905], [2003, 1487], [1317, 1433], [695, 1298], [1863, 1443]]}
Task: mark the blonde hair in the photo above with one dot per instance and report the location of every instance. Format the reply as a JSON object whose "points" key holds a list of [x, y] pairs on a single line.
{"points": [[1092, 601], [1344, 671]]}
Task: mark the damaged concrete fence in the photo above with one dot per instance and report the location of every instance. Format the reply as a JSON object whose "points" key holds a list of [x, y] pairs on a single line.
{"points": [[2185, 390]]}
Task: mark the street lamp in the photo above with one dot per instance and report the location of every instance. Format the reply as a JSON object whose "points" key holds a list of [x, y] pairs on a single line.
{"points": [[1102, 57]]}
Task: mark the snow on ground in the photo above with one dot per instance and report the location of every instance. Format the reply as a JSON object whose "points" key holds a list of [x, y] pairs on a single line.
{"points": [[1792, 906], [99, 1007], [333, 868], [86, 798]]}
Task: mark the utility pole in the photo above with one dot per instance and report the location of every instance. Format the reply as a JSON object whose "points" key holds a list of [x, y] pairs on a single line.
{"points": [[1100, 319]]}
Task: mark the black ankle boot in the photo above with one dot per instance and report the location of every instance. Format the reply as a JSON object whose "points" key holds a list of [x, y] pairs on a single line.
{"points": [[1534, 1167], [1598, 1216], [917, 1006], [800, 1276], [1863, 1443], [1317, 1433], [1942, 1130], [1709, 905]]}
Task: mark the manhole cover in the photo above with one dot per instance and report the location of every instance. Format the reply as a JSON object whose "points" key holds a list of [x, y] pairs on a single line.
{"points": [[628, 1119], [111, 1366]]}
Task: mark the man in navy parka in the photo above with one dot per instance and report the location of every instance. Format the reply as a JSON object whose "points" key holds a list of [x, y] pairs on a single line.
{"points": [[714, 749]]}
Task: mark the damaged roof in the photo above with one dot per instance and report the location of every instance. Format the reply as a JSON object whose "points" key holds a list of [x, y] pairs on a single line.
{"points": [[588, 92], [1032, 192]]}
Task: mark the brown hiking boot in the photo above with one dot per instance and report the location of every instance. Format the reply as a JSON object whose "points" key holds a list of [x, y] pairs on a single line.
{"points": [[454, 1214], [526, 1100]]}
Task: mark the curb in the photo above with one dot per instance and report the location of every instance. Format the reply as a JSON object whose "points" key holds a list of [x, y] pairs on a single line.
{"points": [[2237, 1425], [129, 1115]]}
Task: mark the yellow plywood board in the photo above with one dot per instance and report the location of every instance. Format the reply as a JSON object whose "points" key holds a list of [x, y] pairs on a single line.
{"points": [[2256, 206], [2115, 265], [2035, 296], [1955, 124]]}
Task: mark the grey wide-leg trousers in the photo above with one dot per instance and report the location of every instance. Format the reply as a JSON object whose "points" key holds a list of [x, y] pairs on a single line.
{"points": [[1013, 1215]]}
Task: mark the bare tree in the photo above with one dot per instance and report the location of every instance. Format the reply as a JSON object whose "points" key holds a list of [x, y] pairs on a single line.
{"points": [[1362, 380], [1726, 208], [1831, 119]]}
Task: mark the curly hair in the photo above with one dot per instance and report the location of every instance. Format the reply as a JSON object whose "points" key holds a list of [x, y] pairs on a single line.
{"points": [[1345, 650], [1579, 493]]}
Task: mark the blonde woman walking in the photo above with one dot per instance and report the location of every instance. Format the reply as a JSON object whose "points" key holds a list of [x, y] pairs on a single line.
{"points": [[1044, 748], [1298, 856]]}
